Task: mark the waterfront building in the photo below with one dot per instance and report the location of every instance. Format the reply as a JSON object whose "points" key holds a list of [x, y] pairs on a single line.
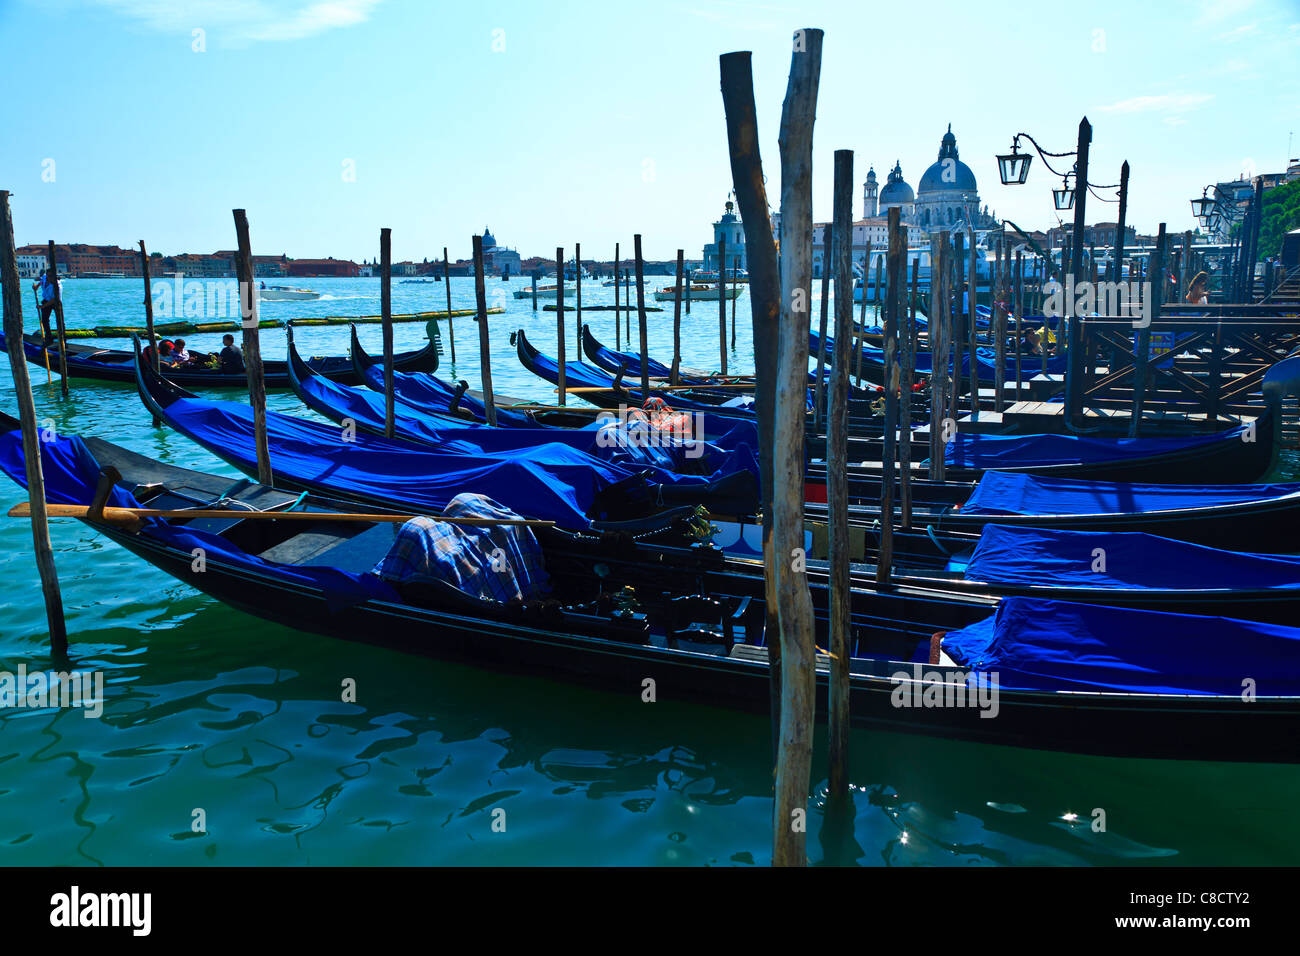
{"points": [[498, 259], [730, 228]]}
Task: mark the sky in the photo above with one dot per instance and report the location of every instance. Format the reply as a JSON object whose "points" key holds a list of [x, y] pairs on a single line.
{"points": [[561, 121]]}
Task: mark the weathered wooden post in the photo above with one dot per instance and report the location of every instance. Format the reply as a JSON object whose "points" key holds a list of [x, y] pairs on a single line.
{"points": [[674, 374], [13, 328], [484, 347], [148, 317], [856, 343], [972, 321], [386, 317], [577, 305], [640, 315], [52, 260], [765, 310], [688, 291], [837, 464], [941, 304], [828, 235], [1142, 336], [794, 603], [908, 339], [1019, 307], [1076, 360], [1117, 257], [957, 332], [897, 256], [252, 343], [618, 341], [997, 292], [559, 322], [722, 303], [734, 282], [451, 328], [534, 291]]}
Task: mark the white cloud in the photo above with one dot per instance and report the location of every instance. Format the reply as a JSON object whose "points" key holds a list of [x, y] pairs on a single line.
{"points": [[245, 20], [1239, 33], [1163, 103]]}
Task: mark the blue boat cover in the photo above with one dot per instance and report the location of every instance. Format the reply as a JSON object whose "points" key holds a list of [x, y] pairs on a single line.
{"points": [[1128, 559], [550, 481], [426, 391], [1034, 644], [988, 452], [71, 475], [605, 439], [498, 563], [1013, 493]]}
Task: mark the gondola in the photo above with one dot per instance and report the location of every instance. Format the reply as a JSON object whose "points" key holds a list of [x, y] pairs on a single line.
{"points": [[1032, 673], [118, 365], [1234, 517], [610, 391], [561, 483], [428, 392], [873, 361], [623, 443]]}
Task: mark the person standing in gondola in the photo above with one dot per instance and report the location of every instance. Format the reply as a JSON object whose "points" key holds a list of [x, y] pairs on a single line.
{"points": [[47, 287]]}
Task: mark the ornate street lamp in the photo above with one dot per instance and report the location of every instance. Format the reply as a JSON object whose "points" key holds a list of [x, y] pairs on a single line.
{"points": [[1063, 198], [1202, 207], [1013, 167]]}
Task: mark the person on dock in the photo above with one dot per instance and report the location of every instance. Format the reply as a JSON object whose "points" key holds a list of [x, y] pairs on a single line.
{"points": [[48, 293], [232, 360], [1196, 292]]}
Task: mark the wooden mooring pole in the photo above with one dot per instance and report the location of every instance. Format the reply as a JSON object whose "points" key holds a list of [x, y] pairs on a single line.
{"points": [[722, 304], [148, 317], [386, 318], [908, 338], [837, 481], [13, 328], [940, 305], [765, 308], [484, 346], [451, 328], [577, 305], [559, 321], [674, 374], [794, 602], [618, 341], [252, 344], [640, 316], [1142, 336], [896, 258]]}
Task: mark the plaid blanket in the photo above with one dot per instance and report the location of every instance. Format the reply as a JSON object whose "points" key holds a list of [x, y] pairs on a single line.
{"points": [[491, 562]]}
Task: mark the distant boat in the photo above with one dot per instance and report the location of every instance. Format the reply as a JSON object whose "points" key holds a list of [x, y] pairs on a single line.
{"points": [[543, 291], [100, 275], [698, 293], [277, 292], [625, 283]]}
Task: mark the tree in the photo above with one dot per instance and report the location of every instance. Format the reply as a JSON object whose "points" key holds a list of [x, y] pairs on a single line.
{"points": [[1281, 215]]}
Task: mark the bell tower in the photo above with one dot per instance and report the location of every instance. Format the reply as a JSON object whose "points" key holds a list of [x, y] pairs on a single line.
{"points": [[869, 194]]}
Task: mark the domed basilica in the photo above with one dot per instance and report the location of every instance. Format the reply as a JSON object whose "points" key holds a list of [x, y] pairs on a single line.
{"points": [[947, 198]]}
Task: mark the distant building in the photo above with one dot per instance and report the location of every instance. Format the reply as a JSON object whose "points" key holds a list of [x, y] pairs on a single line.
{"points": [[306, 268], [732, 230], [499, 259]]}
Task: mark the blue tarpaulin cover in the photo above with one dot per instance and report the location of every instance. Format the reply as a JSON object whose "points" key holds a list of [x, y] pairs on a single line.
{"points": [[424, 390], [987, 452], [1129, 559], [1012, 493], [551, 481], [607, 439], [1036, 644], [71, 475]]}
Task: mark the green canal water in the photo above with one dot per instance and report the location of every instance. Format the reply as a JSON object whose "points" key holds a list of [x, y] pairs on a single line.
{"points": [[210, 709]]}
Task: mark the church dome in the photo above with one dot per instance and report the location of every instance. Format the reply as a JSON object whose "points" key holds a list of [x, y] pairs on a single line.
{"points": [[948, 173], [896, 191], [488, 241]]}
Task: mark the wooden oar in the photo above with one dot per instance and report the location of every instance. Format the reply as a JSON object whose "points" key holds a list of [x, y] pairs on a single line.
{"points": [[129, 518]]}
